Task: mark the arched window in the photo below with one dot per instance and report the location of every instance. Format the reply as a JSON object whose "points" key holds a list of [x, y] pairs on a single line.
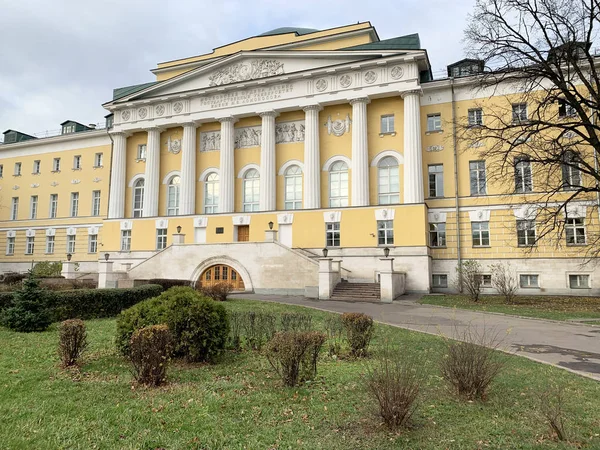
{"points": [[389, 181], [251, 190], [293, 188], [138, 198], [173, 196], [211, 194], [338, 184]]}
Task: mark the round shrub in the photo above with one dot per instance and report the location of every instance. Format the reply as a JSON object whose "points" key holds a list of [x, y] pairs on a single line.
{"points": [[359, 331], [146, 313], [72, 341]]}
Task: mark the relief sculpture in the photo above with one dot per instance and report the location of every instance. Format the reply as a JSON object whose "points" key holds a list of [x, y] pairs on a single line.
{"points": [[245, 71], [285, 132]]}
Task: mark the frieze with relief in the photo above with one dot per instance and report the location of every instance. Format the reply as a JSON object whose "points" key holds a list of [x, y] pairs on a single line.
{"points": [[245, 71], [246, 137]]}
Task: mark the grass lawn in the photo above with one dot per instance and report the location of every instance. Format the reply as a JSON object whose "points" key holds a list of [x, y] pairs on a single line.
{"points": [[239, 403], [557, 308]]}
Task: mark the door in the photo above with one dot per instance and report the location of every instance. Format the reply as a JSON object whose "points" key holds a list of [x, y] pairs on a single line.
{"points": [[243, 233], [221, 273]]}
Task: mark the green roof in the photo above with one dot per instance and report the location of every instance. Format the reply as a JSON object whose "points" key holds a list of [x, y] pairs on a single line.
{"points": [[408, 42], [124, 91], [284, 30]]}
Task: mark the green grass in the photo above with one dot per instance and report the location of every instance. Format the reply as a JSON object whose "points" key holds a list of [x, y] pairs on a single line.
{"points": [[556, 308], [239, 403]]}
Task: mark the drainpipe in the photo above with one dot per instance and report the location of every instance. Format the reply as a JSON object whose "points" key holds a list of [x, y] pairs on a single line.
{"points": [[457, 211]]}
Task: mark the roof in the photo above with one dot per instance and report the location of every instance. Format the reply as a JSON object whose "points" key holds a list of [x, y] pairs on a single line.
{"points": [[284, 30], [123, 91], [72, 121], [408, 42], [465, 61], [15, 131]]}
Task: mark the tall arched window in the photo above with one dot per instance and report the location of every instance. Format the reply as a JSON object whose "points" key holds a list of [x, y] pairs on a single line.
{"points": [[293, 188], [138, 198], [251, 190], [338, 184], [173, 196], [389, 181], [211, 194]]}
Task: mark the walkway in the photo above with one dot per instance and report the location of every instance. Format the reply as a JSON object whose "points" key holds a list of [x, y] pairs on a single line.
{"points": [[575, 347]]}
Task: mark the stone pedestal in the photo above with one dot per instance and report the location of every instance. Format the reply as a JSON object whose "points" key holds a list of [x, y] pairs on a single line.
{"points": [[336, 265], [68, 270], [392, 284], [178, 238], [105, 275], [270, 235], [328, 278]]}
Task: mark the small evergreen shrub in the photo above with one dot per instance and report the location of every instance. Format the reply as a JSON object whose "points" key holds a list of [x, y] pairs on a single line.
{"points": [[217, 291], [29, 309], [47, 269], [335, 332], [258, 328], [168, 283], [290, 352], [150, 354], [72, 341], [293, 321], [359, 331]]}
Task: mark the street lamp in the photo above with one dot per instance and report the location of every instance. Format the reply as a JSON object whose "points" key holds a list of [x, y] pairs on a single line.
{"points": [[386, 252], [69, 256], [106, 255], [271, 225], [325, 251], [178, 229]]}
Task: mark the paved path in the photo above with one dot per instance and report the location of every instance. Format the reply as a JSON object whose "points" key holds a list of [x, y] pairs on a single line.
{"points": [[575, 347]]}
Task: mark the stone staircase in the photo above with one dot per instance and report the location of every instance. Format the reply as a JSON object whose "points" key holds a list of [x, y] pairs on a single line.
{"points": [[366, 292]]}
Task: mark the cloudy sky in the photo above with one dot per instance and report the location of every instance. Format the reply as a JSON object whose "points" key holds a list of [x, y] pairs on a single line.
{"points": [[60, 59]]}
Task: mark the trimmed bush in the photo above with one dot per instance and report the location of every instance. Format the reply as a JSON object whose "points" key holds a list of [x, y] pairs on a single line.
{"points": [[236, 323], [293, 321], [217, 291], [335, 332], [293, 354], [12, 277], [150, 353], [359, 331], [315, 341], [47, 269], [259, 328], [72, 341], [29, 310], [167, 283]]}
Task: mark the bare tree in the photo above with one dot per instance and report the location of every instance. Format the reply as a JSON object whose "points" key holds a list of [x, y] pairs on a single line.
{"points": [[469, 278], [541, 94], [505, 281]]}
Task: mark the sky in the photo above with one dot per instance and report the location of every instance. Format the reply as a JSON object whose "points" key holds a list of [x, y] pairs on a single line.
{"points": [[61, 59]]}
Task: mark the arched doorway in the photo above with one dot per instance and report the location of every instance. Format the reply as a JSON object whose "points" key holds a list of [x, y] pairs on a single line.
{"points": [[220, 273]]}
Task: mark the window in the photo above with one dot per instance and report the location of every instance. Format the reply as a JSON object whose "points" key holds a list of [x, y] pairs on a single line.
{"points": [[77, 162], [10, 245], [439, 280], [575, 231], [138, 198], [173, 196], [475, 117], [486, 280], [95, 203], [565, 109], [251, 190], [332, 234], [436, 180], [33, 206], [387, 124], [434, 122], [577, 281], [525, 233], [389, 181], [141, 151], [529, 281], [56, 165], [519, 112], [92, 243], [293, 188], [125, 240], [74, 204], [437, 234], [49, 244], [71, 243], [30, 245], [67, 129], [53, 206], [98, 157], [161, 238], [14, 209], [1, 170], [18, 169], [211, 194], [385, 232], [481, 234], [523, 179], [36, 166], [477, 177], [338, 184], [570, 171]]}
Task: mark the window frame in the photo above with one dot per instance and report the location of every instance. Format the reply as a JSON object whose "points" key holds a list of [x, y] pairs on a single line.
{"points": [[437, 234], [439, 276], [99, 160], [251, 190], [137, 198], [173, 193], [125, 241], [477, 115], [435, 124], [53, 207], [33, 207], [211, 184], [96, 203], [56, 165], [29, 245], [436, 180], [333, 235], [50, 242], [18, 169], [142, 152], [14, 208], [523, 175], [10, 246], [386, 238], [293, 181], [384, 124], [92, 243], [37, 166], [74, 210], [477, 227], [480, 178], [518, 111], [338, 181], [77, 162], [161, 238], [71, 243], [523, 232], [392, 174], [576, 223], [528, 285], [577, 276]]}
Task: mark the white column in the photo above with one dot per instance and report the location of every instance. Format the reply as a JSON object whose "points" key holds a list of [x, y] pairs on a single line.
{"points": [[360, 152], [152, 173], [116, 205], [267, 162], [413, 164], [312, 158], [187, 203], [227, 175]]}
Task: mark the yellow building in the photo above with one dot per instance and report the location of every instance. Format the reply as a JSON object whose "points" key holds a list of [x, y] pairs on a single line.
{"points": [[333, 138]]}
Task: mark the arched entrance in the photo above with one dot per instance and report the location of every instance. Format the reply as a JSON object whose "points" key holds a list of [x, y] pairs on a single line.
{"points": [[220, 273]]}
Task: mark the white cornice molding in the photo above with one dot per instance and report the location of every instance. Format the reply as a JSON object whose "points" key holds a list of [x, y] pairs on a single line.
{"points": [[55, 143]]}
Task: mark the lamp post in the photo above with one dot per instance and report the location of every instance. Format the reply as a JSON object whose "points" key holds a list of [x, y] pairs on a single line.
{"points": [[69, 256], [271, 225], [325, 252], [178, 229], [106, 256]]}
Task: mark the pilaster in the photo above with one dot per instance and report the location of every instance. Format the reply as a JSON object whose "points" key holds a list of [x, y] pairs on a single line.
{"points": [[360, 152], [413, 165], [187, 204], [267, 162], [312, 158]]}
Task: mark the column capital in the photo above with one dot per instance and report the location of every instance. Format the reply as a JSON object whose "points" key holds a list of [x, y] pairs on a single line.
{"points": [[191, 123], [411, 92], [124, 134], [315, 107], [226, 119], [365, 100], [269, 113], [159, 129]]}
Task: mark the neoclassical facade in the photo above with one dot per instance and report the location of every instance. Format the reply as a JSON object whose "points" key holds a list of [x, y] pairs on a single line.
{"points": [[243, 164]]}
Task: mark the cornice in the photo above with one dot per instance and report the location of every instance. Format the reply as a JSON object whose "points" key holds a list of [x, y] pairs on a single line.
{"points": [[82, 135]]}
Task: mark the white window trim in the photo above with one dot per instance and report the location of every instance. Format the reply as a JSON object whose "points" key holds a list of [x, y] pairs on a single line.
{"points": [[539, 286], [590, 281]]}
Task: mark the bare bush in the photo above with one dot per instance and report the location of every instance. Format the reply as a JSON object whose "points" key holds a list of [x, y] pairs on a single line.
{"points": [[469, 278], [217, 291], [288, 353], [258, 328], [335, 332], [505, 281], [150, 354], [552, 407], [359, 331], [293, 321], [72, 341], [315, 340]]}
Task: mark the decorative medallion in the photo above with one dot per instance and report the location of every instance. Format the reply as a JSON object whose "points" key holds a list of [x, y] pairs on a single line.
{"points": [[332, 216], [241, 220], [173, 145], [54, 184], [30, 233], [285, 218], [476, 144], [97, 180], [384, 213], [396, 72], [435, 148], [480, 214], [35, 185], [71, 231], [11, 233], [569, 135], [125, 115], [75, 181], [338, 127], [142, 113], [177, 107], [245, 71], [321, 84], [15, 187], [370, 77], [160, 110], [50, 232], [345, 80], [436, 216]]}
